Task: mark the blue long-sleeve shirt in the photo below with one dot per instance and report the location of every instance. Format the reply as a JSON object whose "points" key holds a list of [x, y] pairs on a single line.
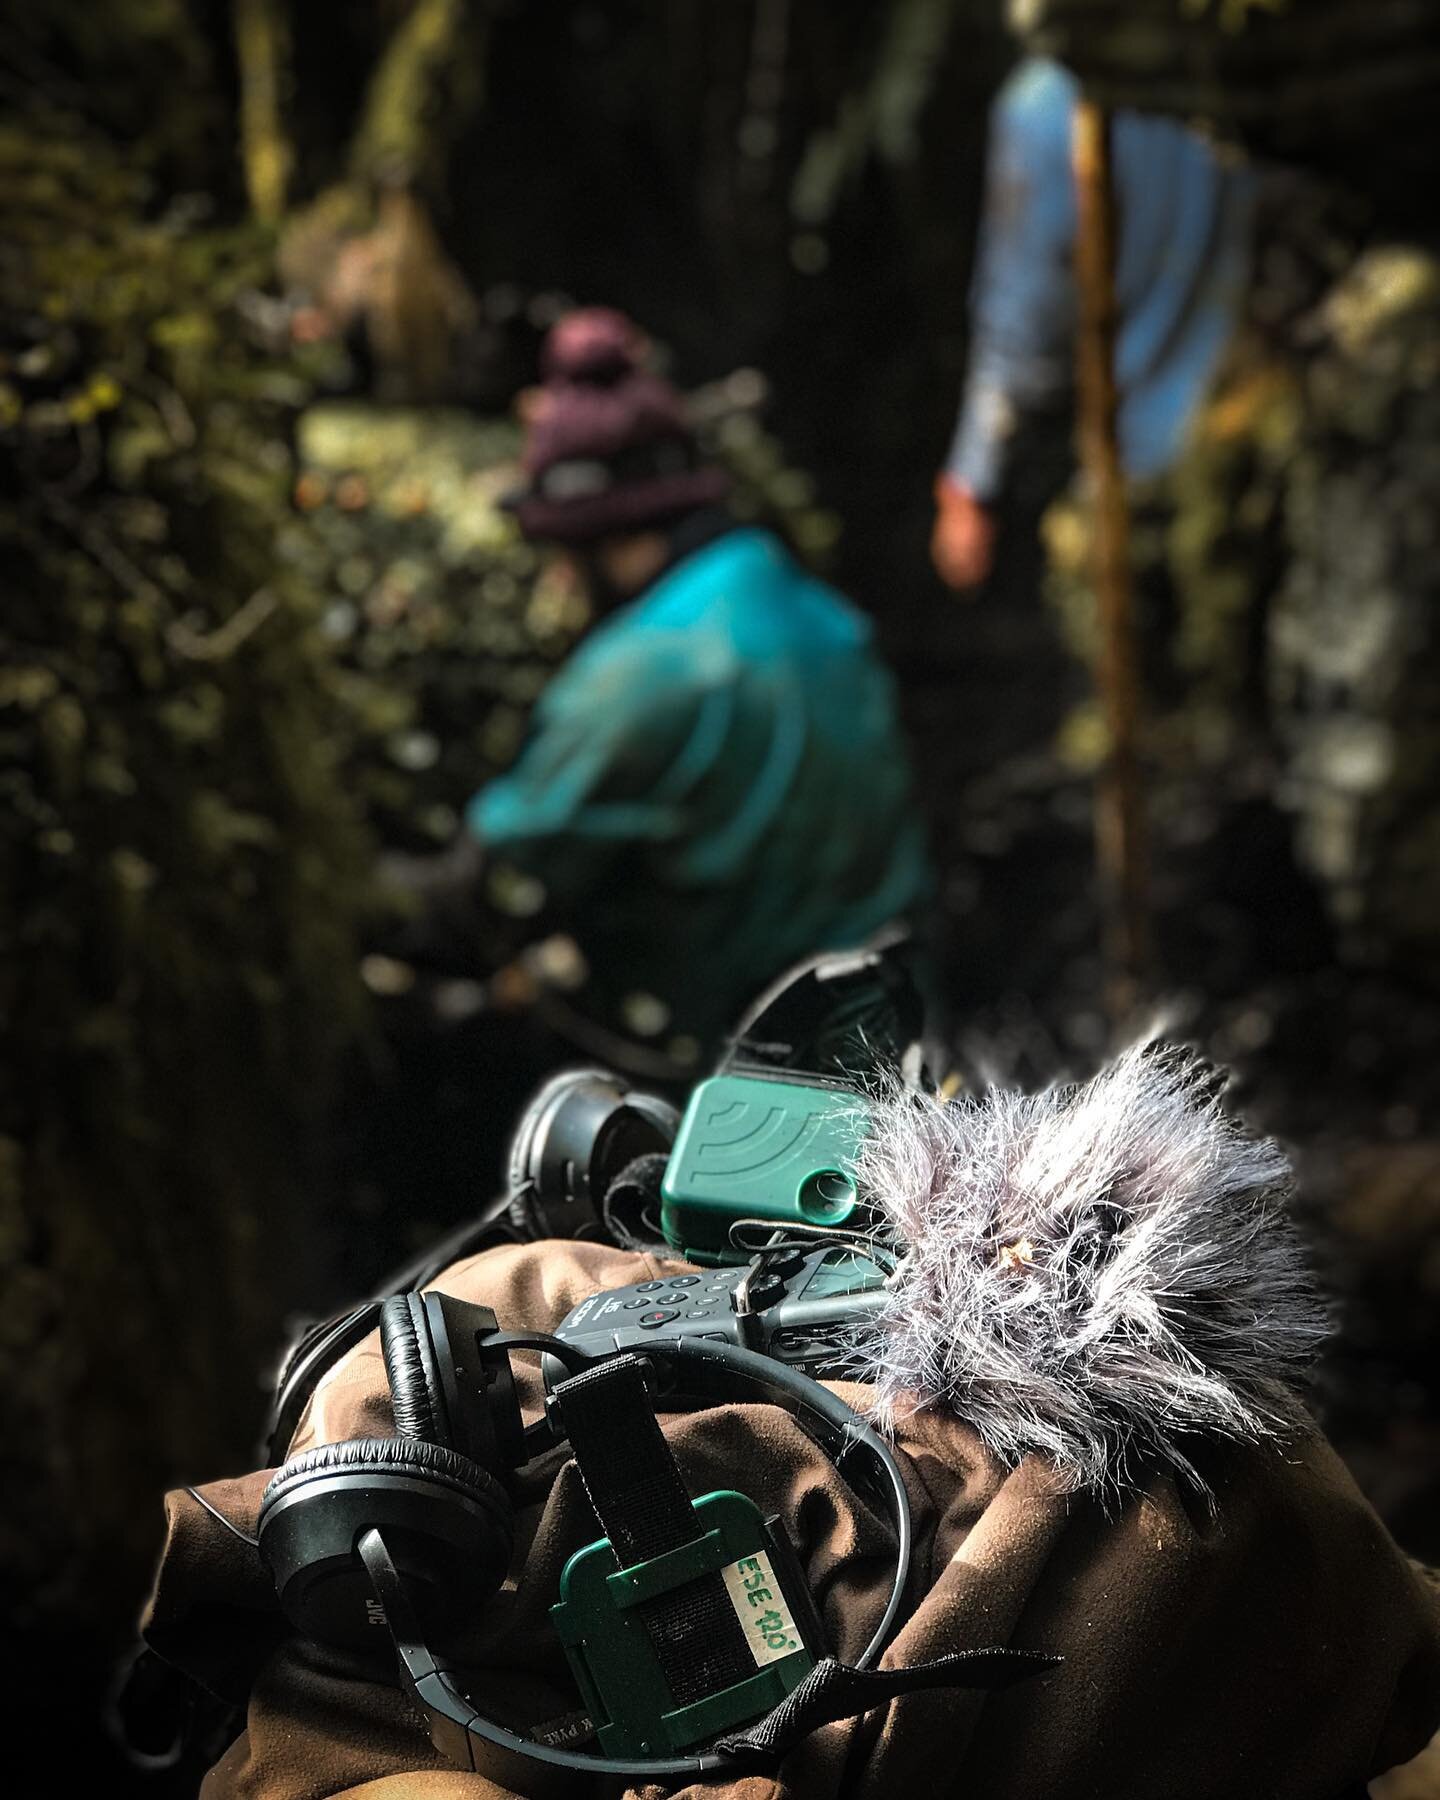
{"points": [[1182, 263]]}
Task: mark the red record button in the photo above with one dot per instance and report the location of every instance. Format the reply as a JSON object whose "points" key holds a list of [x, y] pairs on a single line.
{"points": [[649, 1321]]}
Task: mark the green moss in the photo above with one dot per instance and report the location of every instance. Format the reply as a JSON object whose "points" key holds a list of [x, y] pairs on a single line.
{"points": [[247, 638]]}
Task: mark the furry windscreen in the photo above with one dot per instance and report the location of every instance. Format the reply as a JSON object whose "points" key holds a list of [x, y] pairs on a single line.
{"points": [[1095, 1275]]}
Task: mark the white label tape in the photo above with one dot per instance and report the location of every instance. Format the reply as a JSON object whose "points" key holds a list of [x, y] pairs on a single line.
{"points": [[760, 1607]]}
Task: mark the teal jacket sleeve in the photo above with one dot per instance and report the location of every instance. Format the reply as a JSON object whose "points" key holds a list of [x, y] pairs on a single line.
{"points": [[611, 760]]}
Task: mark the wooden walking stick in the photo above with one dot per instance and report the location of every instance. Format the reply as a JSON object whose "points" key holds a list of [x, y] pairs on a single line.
{"points": [[1120, 837]]}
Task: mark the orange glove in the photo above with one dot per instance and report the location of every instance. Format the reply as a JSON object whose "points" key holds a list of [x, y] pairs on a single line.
{"points": [[962, 546]]}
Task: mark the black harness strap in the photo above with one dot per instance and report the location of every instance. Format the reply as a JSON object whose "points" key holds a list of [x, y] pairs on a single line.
{"points": [[631, 1205], [644, 1509], [833, 1690]]}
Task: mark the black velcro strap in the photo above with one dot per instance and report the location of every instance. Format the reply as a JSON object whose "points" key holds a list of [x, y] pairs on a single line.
{"points": [[644, 1509], [832, 1690], [631, 1204], [624, 1461]]}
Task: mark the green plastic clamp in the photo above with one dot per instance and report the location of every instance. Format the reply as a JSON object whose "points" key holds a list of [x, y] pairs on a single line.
{"points": [[620, 1677]]}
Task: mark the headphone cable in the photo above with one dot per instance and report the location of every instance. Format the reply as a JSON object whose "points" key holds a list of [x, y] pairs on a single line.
{"points": [[215, 1513]]}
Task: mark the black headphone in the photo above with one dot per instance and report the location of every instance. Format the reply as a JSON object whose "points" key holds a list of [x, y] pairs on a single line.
{"points": [[414, 1533], [583, 1128]]}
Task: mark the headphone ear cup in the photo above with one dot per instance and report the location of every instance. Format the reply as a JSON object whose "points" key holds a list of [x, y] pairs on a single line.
{"points": [[527, 1159], [447, 1525], [415, 1392], [659, 1113]]}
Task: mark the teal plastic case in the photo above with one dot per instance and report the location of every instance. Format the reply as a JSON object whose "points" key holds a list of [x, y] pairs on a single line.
{"points": [[613, 1660], [751, 1148]]}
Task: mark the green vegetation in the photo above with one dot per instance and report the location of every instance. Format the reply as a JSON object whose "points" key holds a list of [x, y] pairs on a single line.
{"points": [[250, 634]]}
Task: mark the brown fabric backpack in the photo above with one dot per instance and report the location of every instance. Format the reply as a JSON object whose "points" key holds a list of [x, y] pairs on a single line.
{"points": [[1272, 1644]]}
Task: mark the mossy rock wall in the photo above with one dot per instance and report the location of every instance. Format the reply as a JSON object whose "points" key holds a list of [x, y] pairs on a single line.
{"points": [[183, 871], [251, 636]]}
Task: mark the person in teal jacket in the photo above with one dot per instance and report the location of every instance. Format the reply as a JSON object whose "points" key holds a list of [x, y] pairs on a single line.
{"points": [[715, 784]]}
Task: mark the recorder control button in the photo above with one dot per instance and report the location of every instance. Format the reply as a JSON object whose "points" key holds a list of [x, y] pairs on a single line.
{"points": [[651, 1321]]}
